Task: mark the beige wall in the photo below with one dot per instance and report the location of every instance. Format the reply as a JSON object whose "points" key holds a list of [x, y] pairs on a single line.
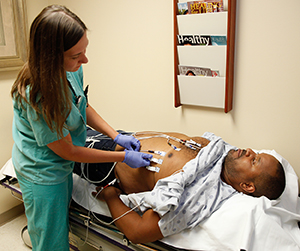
{"points": [[6, 115], [130, 74], [6, 143]]}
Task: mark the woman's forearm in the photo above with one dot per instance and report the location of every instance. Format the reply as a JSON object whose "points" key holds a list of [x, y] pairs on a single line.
{"points": [[98, 123], [65, 149]]}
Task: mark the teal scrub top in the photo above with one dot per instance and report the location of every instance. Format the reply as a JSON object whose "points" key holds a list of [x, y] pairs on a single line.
{"points": [[31, 157]]}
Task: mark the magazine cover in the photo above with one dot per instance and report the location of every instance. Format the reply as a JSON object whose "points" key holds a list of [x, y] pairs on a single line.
{"points": [[182, 8], [205, 6], [196, 7], [206, 40], [214, 6], [215, 73], [218, 40], [194, 71], [193, 40]]}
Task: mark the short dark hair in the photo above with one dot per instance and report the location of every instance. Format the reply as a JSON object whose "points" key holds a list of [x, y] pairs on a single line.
{"points": [[270, 186]]}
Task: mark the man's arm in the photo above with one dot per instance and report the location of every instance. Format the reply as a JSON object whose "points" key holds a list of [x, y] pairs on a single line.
{"points": [[136, 228]]}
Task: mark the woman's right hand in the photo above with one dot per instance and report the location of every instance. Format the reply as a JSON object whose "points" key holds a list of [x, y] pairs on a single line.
{"points": [[137, 159]]}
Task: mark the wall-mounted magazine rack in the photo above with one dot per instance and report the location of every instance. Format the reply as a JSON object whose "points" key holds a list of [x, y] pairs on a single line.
{"points": [[204, 90]]}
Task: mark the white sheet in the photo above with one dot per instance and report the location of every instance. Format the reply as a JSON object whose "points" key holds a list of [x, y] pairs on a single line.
{"points": [[242, 222], [8, 170]]}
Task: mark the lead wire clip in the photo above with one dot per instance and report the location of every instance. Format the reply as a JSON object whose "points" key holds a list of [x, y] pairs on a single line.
{"points": [[156, 160], [174, 147], [161, 153], [153, 168]]}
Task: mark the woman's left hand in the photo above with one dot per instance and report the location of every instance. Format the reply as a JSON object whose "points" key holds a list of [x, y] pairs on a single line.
{"points": [[128, 142]]}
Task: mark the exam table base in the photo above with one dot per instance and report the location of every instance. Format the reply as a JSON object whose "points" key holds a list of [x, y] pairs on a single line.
{"points": [[102, 237], [90, 231]]}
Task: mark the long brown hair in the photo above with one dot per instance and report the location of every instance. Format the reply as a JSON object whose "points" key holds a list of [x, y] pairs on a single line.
{"points": [[55, 30]]}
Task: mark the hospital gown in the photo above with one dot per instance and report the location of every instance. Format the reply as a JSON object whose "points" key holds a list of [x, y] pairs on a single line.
{"points": [[186, 198]]}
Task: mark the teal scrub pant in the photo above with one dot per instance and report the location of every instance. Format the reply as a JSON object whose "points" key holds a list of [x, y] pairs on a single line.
{"points": [[47, 212]]}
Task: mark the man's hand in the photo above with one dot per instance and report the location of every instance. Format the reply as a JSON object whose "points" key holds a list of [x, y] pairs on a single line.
{"points": [[107, 192], [136, 228]]}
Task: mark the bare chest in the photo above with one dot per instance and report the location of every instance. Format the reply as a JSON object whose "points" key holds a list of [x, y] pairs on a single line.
{"points": [[169, 157]]}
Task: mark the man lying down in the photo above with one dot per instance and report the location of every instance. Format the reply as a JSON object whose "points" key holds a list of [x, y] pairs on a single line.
{"points": [[187, 181]]}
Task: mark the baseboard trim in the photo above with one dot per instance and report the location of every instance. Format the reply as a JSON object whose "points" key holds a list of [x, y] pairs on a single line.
{"points": [[11, 214]]}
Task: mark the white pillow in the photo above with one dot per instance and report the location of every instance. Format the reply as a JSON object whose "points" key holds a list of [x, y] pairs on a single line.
{"points": [[289, 198]]}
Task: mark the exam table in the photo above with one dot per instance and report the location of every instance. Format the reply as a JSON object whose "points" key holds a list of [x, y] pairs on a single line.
{"points": [[241, 223]]}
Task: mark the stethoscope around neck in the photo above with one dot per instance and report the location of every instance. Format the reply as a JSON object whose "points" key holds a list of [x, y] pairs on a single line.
{"points": [[78, 98]]}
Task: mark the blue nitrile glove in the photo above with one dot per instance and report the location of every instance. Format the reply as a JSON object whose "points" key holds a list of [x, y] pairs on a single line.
{"points": [[128, 142], [137, 159]]}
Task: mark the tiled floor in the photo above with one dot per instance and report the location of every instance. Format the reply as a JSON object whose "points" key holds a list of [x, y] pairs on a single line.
{"points": [[10, 235], [11, 240]]}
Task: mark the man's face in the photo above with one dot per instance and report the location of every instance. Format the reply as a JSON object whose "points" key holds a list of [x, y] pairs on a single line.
{"points": [[244, 165]]}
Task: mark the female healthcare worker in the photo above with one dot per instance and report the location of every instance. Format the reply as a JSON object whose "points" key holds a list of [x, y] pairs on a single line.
{"points": [[49, 127]]}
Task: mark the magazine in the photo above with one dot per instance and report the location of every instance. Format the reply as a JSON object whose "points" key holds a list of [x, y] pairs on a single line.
{"points": [[193, 40], [196, 7], [218, 40], [197, 71], [201, 6], [182, 8], [214, 6], [201, 40]]}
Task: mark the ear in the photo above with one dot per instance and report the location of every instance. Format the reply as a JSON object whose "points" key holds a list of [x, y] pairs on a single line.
{"points": [[247, 187]]}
